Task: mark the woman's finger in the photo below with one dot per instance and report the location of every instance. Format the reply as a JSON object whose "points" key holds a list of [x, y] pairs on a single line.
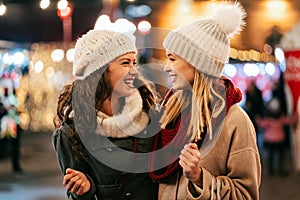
{"points": [[76, 186]]}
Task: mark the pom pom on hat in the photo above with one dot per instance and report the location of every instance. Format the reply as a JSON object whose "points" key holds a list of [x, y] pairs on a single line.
{"points": [[205, 43], [231, 18]]}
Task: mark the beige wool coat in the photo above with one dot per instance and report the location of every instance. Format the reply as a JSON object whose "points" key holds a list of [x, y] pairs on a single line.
{"points": [[231, 170]]}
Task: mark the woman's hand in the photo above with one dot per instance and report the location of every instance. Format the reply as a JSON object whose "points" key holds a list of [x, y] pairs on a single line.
{"points": [[76, 182], [189, 161]]}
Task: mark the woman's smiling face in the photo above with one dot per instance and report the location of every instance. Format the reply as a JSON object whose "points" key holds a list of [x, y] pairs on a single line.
{"points": [[180, 71], [121, 73]]}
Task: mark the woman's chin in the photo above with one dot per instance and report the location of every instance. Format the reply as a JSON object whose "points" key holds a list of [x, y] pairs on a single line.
{"points": [[123, 92], [177, 87]]}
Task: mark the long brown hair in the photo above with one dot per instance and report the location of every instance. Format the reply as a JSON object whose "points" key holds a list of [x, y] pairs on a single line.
{"points": [[64, 103], [75, 102]]}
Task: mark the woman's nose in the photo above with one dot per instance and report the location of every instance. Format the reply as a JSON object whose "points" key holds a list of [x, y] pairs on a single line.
{"points": [[167, 68], [133, 71]]}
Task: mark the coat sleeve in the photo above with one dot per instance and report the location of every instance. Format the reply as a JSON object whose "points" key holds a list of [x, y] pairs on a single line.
{"points": [[62, 143], [242, 176]]}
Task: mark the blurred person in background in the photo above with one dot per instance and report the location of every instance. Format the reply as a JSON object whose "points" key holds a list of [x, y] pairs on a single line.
{"points": [[274, 38], [254, 104], [254, 107], [10, 127], [273, 124], [278, 92]]}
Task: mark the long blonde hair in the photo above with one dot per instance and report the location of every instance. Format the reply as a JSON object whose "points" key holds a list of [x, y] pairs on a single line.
{"points": [[204, 101]]}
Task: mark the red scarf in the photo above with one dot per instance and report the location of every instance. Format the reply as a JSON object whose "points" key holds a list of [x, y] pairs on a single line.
{"points": [[233, 95]]}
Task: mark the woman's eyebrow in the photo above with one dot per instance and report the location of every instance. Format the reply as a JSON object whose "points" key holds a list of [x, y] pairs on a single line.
{"points": [[122, 59], [170, 55], [126, 59]]}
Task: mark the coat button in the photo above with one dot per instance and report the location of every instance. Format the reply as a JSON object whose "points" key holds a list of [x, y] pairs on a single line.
{"points": [[109, 149], [128, 194]]}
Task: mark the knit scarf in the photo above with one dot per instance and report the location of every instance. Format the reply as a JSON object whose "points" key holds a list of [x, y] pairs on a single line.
{"points": [[131, 121], [167, 174]]}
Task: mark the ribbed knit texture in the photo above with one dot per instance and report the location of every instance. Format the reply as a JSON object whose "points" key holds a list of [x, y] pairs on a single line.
{"points": [[202, 44], [205, 43]]}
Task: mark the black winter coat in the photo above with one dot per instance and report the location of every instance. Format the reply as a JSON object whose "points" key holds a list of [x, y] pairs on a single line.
{"points": [[106, 183]]}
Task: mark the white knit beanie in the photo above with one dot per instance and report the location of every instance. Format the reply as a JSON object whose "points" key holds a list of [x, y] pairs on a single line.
{"points": [[205, 43], [97, 48]]}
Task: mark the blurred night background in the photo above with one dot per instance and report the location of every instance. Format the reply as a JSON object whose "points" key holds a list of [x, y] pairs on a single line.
{"points": [[37, 39]]}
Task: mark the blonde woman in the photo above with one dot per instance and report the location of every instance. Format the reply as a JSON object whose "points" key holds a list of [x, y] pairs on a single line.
{"points": [[218, 156]]}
